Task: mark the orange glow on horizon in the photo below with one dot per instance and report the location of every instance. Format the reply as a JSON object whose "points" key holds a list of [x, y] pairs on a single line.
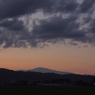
{"points": [[75, 60]]}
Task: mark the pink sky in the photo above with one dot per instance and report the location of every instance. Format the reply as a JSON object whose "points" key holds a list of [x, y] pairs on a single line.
{"points": [[57, 57]]}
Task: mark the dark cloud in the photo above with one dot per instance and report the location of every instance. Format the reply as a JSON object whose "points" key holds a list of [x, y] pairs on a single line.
{"points": [[67, 19], [11, 31], [14, 8], [86, 5], [87, 19], [66, 6], [57, 28], [92, 26], [15, 24]]}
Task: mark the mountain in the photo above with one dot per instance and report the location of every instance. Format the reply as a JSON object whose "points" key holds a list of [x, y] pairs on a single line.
{"points": [[46, 70], [9, 75]]}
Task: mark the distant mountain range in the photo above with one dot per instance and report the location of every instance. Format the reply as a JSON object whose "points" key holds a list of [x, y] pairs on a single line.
{"points": [[46, 70], [41, 74]]}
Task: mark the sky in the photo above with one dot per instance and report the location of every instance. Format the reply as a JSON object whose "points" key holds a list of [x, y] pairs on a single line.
{"points": [[55, 34]]}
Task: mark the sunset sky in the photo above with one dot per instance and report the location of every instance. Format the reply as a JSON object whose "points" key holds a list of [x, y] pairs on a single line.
{"points": [[55, 34]]}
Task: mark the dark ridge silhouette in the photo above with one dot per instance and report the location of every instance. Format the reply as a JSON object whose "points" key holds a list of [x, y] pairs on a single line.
{"points": [[4, 69], [10, 75]]}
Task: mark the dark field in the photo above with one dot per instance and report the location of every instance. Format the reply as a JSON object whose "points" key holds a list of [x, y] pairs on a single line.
{"points": [[45, 90]]}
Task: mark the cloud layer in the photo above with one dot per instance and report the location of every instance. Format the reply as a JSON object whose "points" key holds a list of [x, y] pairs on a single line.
{"points": [[62, 20]]}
